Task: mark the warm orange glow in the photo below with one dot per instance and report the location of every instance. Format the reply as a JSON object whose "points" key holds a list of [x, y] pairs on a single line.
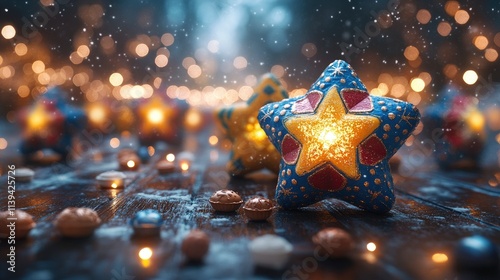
{"points": [[278, 71], [444, 28], [97, 113], [141, 50], [21, 49], [450, 70], [167, 39], [83, 51], [116, 79], [213, 140], [480, 42], [240, 62], [184, 166], [439, 258], [451, 7], [194, 71], [38, 66], [462, 16], [470, 77], [423, 16], [161, 60], [8, 32], [371, 247], [475, 120], [38, 119], [130, 164], [114, 185], [491, 55], [417, 84], [3, 143], [23, 91], [145, 253], [411, 53], [155, 116], [170, 157], [114, 143]]}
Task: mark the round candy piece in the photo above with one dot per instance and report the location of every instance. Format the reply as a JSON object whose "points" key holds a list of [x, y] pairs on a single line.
{"points": [[258, 209], [476, 253], [24, 223], [111, 179], [270, 251], [24, 174], [147, 223], [226, 201], [335, 242], [195, 245], [165, 167], [77, 222]]}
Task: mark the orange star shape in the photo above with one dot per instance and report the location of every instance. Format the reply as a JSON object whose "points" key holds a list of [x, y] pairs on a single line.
{"points": [[251, 149], [330, 135]]}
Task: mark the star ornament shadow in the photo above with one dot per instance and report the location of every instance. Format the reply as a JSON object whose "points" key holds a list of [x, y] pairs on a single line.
{"points": [[336, 142], [251, 150]]}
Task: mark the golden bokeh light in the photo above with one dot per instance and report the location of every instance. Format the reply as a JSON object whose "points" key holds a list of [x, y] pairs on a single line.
{"points": [[142, 50], [411, 53], [278, 71], [496, 39], [130, 164], [21, 49], [371, 247], [439, 258], [481, 42], [194, 71], [8, 31], [470, 77], [451, 7], [444, 28], [462, 16], [423, 16], [398, 90], [3, 143], [213, 140], [161, 60], [417, 84], [450, 70], [155, 116], [145, 253], [170, 157], [116, 79], [38, 66], [491, 54], [83, 51], [114, 143], [23, 91]]}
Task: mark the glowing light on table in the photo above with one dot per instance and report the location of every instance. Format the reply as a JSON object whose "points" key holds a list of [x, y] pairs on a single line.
{"points": [[130, 164], [184, 166], [97, 113], [439, 258], [114, 185], [371, 247], [145, 253]]}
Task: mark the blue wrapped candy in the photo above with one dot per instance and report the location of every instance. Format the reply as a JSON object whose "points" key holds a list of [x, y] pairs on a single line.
{"points": [[147, 223]]}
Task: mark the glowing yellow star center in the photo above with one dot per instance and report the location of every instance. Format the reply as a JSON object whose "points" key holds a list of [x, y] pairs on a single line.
{"points": [[38, 119], [331, 135], [255, 133], [155, 116]]}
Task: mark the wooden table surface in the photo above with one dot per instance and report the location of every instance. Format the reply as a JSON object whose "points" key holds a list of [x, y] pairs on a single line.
{"points": [[433, 211]]}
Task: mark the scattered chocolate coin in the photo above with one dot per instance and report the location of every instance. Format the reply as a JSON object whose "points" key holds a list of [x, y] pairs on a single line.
{"points": [[165, 167], [111, 179], [258, 209], [24, 174], [77, 222], [335, 242], [226, 201], [23, 223]]}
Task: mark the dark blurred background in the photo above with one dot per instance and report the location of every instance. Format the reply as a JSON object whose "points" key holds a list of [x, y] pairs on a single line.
{"points": [[210, 53]]}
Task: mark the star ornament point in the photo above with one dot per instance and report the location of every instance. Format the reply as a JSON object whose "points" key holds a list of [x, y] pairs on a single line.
{"points": [[251, 149], [335, 142]]}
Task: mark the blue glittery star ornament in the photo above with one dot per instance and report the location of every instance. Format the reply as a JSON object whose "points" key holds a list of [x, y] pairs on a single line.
{"points": [[335, 142], [51, 123]]}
